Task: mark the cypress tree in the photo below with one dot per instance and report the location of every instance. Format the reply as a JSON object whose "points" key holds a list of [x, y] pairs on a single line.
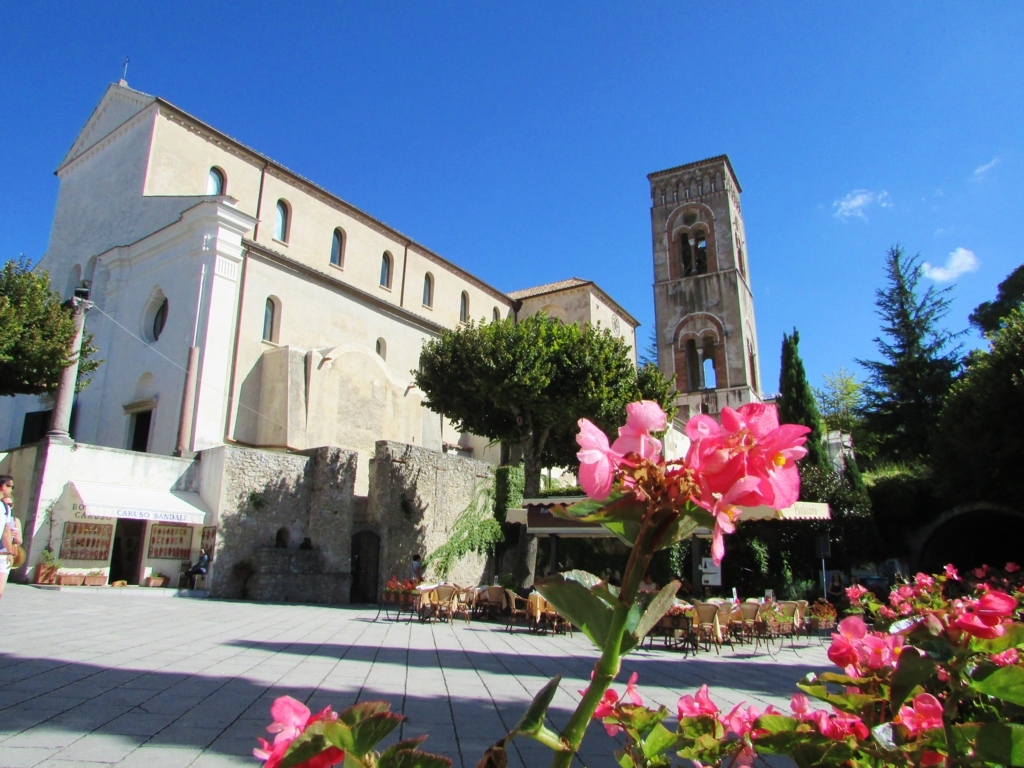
{"points": [[796, 402]]}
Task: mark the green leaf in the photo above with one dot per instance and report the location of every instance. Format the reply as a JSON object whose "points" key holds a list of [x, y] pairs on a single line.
{"points": [[885, 736], [777, 723], [1001, 743], [681, 528], [579, 605], [851, 703], [659, 741], [369, 732], [337, 734], [620, 505], [608, 593], [408, 744], [533, 718], [912, 669], [625, 530], [657, 608], [588, 580], [363, 710], [1012, 638], [1006, 683], [306, 746], [629, 639]]}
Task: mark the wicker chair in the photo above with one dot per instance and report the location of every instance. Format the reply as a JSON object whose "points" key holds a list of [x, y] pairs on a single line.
{"points": [[706, 627], [788, 623], [463, 604], [802, 624], [518, 610], [490, 601]]}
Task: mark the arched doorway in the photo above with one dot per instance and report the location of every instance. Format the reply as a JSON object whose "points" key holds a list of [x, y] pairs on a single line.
{"points": [[972, 535], [365, 554]]}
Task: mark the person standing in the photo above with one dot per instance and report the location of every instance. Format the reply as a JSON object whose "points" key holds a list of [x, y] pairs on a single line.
{"points": [[416, 569], [7, 539]]}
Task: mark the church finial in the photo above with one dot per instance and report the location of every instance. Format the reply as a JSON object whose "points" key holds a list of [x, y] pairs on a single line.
{"points": [[124, 73]]}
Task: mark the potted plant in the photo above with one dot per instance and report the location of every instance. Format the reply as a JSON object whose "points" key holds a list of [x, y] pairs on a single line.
{"points": [[822, 615], [70, 579], [46, 570], [97, 578], [157, 579]]}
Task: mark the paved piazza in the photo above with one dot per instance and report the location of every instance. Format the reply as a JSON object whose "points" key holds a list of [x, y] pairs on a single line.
{"points": [[109, 679]]}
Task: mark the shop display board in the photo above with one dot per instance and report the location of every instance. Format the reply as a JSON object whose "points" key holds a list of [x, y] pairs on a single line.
{"points": [[170, 542], [209, 539], [86, 541]]}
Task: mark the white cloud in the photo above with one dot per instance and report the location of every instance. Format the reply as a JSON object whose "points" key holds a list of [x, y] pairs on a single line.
{"points": [[856, 202], [981, 170], [960, 261]]}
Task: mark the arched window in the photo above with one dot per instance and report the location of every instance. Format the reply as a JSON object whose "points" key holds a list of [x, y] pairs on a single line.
{"points": [[385, 270], [685, 255], [281, 223], [428, 290], [160, 319], [217, 182], [382, 349], [271, 320], [700, 256], [497, 315], [464, 308], [338, 248]]}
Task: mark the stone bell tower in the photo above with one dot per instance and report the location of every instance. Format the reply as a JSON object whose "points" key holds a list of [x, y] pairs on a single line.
{"points": [[703, 306]]}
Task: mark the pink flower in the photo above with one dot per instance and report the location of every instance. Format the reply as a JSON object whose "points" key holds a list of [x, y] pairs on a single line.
{"points": [[972, 624], [701, 427], [980, 573], [632, 692], [695, 706], [844, 651], [741, 721], [1011, 568], [800, 705], [756, 418], [774, 459], [994, 606], [853, 627], [607, 709], [942, 674], [951, 572], [855, 593], [291, 718], [725, 513], [839, 725], [878, 652], [1007, 658], [597, 461], [887, 613], [924, 580], [925, 715], [642, 418], [930, 758]]}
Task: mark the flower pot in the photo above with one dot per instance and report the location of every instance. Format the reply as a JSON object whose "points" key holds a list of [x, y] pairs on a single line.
{"points": [[96, 581], [157, 581], [71, 579], [46, 574]]}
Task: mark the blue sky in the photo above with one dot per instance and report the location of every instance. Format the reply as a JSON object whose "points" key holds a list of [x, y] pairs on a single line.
{"points": [[515, 139]]}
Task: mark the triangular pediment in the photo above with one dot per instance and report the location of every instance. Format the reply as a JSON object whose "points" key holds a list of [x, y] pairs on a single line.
{"points": [[118, 105]]}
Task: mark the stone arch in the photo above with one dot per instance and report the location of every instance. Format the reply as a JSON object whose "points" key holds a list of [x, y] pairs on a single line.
{"points": [[698, 338], [282, 539], [555, 311], [145, 387], [954, 537], [687, 221]]}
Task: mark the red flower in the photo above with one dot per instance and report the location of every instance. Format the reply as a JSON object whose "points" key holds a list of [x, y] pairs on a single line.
{"points": [[291, 718], [972, 624], [994, 606]]}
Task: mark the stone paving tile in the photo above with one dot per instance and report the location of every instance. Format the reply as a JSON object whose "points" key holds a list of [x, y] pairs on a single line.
{"points": [[192, 683]]}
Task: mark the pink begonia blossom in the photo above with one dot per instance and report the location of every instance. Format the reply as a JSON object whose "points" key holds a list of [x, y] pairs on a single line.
{"points": [[631, 690], [853, 627], [756, 418], [642, 418], [606, 708], [942, 674], [701, 427], [800, 706], [695, 706], [597, 461], [924, 580], [774, 459], [951, 572], [725, 512], [740, 720], [1011, 568], [843, 652], [839, 725], [855, 592], [1007, 658], [924, 715], [877, 652], [291, 718], [972, 624], [982, 572], [994, 606]]}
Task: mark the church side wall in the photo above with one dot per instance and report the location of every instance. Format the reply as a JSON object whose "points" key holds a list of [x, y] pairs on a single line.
{"points": [[415, 497]]}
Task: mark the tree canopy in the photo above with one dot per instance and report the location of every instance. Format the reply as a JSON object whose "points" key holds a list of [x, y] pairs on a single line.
{"points": [[988, 316], [979, 442], [528, 383], [839, 400], [796, 402], [36, 333], [906, 388]]}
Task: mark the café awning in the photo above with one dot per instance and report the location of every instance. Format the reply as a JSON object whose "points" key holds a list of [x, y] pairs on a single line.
{"points": [[536, 515], [133, 503]]}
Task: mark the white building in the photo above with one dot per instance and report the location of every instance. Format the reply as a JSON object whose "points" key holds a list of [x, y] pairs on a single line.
{"points": [[309, 314]]}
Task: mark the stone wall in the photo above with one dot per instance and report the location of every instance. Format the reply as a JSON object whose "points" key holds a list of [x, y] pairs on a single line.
{"points": [[264, 494], [415, 497]]}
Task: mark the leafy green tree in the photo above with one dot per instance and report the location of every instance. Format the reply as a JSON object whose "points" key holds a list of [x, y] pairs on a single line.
{"points": [[36, 333], [528, 383], [907, 386], [796, 402], [988, 316], [839, 400], [979, 443]]}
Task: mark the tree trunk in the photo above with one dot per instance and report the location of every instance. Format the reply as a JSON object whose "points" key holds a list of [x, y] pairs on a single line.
{"points": [[526, 547]]}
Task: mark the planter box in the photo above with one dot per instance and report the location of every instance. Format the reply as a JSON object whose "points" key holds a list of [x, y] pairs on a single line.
{"points": [[46, 574], [95, 581], [71, 579], [157, 581]]}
